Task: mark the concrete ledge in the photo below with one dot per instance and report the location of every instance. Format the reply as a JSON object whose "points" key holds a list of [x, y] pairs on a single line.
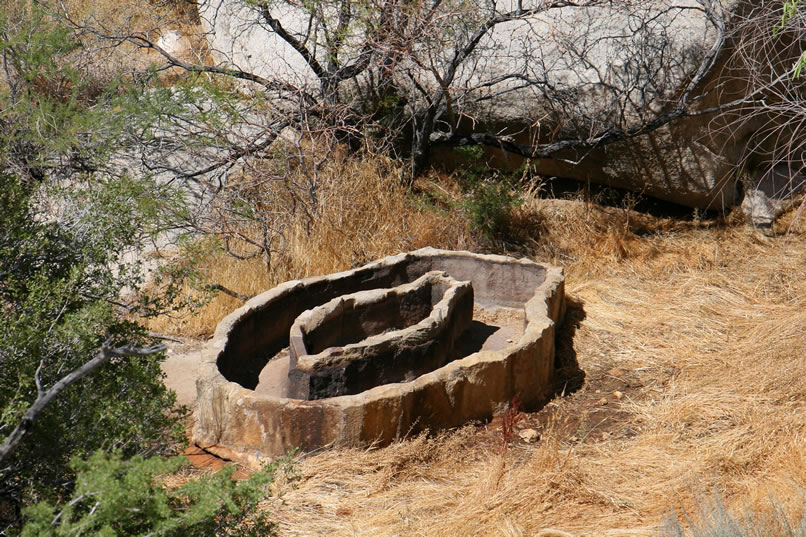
{"points": [[235, 421]]}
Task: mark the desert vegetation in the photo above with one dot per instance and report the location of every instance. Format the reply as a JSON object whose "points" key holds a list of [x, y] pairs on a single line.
{"points": [[148, 190]]}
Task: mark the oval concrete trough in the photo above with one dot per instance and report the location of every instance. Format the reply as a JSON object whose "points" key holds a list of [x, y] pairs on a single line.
{"points": [[234, 421]]}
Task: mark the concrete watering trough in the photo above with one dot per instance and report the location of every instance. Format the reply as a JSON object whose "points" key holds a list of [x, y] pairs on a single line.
{"points": [[422, 340]]}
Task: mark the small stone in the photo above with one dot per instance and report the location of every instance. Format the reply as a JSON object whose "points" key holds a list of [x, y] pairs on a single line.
{"points": [[509, 341], [597, 391], [603, 401], [529, 435], [573, 439], [618, 395]]}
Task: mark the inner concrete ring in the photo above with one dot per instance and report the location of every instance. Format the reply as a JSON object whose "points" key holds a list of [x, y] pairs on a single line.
{"points": [[236, 422], [370, 338]]}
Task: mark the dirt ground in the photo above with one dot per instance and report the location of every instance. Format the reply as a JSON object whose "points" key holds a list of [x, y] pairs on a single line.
{"points": [[181, 367]]}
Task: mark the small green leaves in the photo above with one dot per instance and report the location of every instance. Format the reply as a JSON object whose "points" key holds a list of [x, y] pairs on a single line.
{"points": [[799, 66], [118, 497], [789, 10]]}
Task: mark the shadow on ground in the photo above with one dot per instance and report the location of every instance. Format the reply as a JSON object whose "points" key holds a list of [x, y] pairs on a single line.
{"points": [[568, 377]]}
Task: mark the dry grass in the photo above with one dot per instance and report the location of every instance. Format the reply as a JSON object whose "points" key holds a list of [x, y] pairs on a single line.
{"points": [[702, 332], [364, 212], [177, 21]]}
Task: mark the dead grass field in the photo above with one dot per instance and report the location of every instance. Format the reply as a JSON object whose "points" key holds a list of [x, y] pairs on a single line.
{"points": [[692, 341]]}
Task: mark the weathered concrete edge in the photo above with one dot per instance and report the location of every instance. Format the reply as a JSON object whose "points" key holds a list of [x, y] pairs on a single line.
{"points": [[474, 387], [427, 327]]}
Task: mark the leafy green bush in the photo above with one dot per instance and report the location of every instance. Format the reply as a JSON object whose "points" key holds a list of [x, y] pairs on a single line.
{"points": [[490, 196], [69, 273], [118, 497], [84, 457], [60, 283], [490, 206]]}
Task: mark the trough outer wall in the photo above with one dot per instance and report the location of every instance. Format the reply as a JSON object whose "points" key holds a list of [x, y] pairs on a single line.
{"points": [[239, 424]]}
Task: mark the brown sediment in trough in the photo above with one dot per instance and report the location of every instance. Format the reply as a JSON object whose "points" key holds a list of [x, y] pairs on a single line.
{"points": [[237, 421]]}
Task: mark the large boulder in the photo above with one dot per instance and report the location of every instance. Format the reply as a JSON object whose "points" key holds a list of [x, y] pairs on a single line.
{"points": [[566, 73]]}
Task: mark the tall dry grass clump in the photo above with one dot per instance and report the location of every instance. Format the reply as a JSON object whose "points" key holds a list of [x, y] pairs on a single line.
{"points": [[363, 210], [366, 212], [174, 25]]}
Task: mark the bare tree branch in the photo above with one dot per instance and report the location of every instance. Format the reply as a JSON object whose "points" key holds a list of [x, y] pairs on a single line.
{"points": [[548, 150], [44, 397], [228, 291], [286, 36]]}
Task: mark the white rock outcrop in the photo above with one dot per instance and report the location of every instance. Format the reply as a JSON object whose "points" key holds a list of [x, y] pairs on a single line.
{"points": [[647, 51]]}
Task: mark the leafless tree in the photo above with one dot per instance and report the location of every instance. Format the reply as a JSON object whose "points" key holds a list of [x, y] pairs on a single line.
{"points": [[553, 79]]}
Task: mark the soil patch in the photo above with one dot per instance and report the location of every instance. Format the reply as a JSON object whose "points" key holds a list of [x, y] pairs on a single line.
{"points": [[181, 368]]}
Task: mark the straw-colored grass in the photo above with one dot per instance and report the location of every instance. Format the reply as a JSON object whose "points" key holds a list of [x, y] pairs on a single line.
{"points": [[703, 328], [115, 18], [364, 212]]}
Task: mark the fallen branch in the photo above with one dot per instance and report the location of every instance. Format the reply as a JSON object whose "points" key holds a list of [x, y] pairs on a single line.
{"points": [[227, 291]]}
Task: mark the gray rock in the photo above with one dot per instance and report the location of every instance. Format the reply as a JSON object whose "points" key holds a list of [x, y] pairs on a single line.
{"points": [[588, 69], [771, 193]]}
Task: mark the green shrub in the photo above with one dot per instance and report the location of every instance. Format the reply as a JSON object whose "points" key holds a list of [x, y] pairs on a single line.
{"points": [[72, 223], [490, 196], [117, 497], [490, 206]]}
